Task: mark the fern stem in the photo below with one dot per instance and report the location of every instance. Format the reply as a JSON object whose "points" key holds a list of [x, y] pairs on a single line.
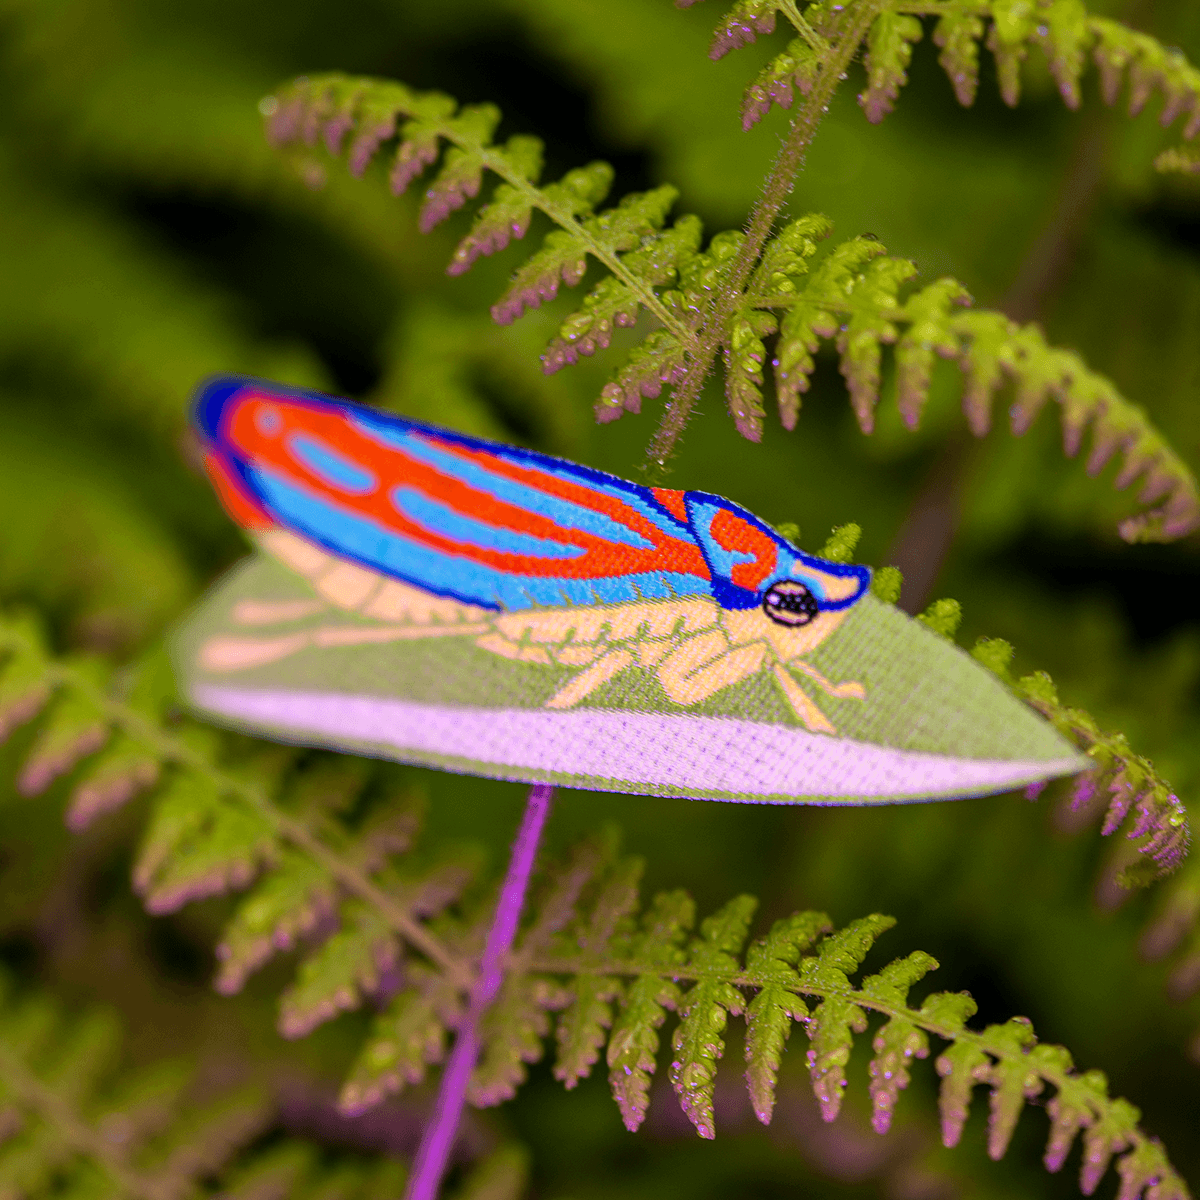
{"points": [[439, 1134], [803, 28], [355, 881], [75, 1131], [775, 193], [498, 164]]}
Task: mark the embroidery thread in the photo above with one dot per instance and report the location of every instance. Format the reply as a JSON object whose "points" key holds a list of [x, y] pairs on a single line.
{"points": [[444, 599]]}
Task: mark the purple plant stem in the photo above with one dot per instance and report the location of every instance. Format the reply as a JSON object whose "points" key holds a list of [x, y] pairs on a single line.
{"points": [[436, 1141]]}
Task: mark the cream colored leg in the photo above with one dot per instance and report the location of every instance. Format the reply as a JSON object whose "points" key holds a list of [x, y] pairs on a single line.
{"points": [[814, 719], [588, 680], [843, 691]]}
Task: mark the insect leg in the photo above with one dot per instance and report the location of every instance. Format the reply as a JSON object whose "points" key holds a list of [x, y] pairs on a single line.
{"points": [[588, 680], [843, 691], [814, 719]]}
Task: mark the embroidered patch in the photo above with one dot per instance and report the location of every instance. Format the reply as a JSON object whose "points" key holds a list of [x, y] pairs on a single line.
{"points": [[445, 600]]}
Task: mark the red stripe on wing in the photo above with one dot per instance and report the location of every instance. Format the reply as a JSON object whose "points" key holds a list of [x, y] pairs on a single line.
{"points": [[393, 467]]}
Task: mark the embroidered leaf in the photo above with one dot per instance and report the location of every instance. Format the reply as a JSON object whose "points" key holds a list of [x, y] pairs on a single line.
{"points": [[769, 1015], [889, 51], [633, 1045], [341, 972], [705, 1008]]}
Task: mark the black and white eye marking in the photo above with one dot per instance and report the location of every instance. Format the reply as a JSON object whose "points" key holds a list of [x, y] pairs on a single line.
{"points": [[790, 603]]}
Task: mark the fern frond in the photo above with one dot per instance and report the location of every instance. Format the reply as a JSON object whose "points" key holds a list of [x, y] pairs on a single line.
{"points": [[213, 827], [77, 1126], [332, 106], [1140, 800], [802, 971], [852, 295], [1062, 29]]}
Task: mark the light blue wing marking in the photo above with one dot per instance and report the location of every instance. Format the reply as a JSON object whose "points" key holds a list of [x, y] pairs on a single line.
{"points": [[337, 470], [563, 512], [443, 521]]}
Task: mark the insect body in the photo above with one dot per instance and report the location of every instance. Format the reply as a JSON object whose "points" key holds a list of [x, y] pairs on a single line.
{"points": [[434, 534]]}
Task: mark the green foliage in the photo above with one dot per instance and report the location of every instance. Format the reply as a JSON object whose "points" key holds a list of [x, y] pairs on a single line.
{"points": [[77, 1125], [122, 118], [851, 296]]}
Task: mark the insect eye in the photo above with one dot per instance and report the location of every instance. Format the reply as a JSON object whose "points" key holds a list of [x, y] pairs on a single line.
{"points": [[790, 603]]}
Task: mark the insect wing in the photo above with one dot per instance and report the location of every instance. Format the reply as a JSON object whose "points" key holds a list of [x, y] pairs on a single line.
{"points": [[485, 524]]}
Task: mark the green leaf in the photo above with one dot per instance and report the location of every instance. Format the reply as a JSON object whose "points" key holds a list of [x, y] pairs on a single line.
{"points": [[502, 1175], [462, 169], [873, 312], [943, 617], [961, 1066], [837, 1018], [511, 1033], [705, 1008], [613, 303], [1012, 27], [889, 51], [886, 583], [344, 969], [777, 83], [1013, 1078], [929, 334], [287, 905], [405, 1038], [1066, 39], [583, 1027], [199, 842], [633, 1045], [113, 777], [745, 355], [75, 728], [841, 544], [25, 687], [508, 213], [958, 35], [770, 1013]]}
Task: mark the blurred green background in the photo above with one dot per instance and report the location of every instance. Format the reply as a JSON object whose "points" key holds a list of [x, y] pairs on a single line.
{"points": [[149, 237]]}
